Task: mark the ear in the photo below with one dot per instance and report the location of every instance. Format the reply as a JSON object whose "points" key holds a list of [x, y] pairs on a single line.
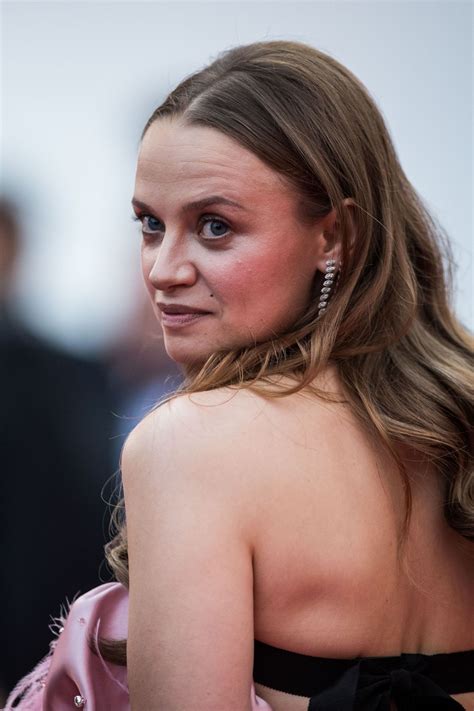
{"points": [[330, 245]]}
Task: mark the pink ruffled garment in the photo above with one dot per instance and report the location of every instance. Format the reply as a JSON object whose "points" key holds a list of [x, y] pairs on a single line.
{"points": [[71, 676]]}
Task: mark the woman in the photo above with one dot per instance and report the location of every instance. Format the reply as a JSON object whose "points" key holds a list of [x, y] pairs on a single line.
{"points": [[300, 515]]}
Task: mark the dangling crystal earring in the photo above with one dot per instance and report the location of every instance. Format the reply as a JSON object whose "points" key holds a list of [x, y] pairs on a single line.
{"points": [[328, 283]]}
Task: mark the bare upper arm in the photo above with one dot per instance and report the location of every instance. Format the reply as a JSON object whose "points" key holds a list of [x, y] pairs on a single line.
{"points": [[190, 517]]}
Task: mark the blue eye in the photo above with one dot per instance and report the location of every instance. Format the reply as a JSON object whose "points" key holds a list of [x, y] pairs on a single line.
{"points": [[151, 223], [218, 227]]}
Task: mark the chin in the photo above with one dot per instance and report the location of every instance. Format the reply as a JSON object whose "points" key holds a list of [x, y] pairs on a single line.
{"points": [[186, 355], [187, 352]]}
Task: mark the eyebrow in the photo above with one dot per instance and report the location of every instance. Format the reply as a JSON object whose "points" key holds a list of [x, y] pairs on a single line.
{"points": [[196, 204]]}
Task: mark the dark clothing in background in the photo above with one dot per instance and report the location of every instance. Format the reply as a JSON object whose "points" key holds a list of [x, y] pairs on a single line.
{"points": [[56, 455]]}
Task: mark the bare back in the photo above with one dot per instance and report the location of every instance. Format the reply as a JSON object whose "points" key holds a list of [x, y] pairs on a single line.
{"points": [[328, 580]]}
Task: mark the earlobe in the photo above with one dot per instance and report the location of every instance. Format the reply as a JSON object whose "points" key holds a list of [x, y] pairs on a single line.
{"points": [[330, 258], [330, 250]]}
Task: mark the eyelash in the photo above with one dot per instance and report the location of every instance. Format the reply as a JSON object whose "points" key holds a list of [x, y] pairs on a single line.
{"points": [[204, 219]]}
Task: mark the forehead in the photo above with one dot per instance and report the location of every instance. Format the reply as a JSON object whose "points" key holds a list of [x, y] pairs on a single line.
{"points": [[176, 159]]}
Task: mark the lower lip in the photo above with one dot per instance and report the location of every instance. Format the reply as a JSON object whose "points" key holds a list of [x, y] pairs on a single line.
{"points": [[179, 320]]}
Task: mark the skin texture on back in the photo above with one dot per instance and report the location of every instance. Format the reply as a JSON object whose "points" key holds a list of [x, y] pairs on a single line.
{"points": [[318, 509]]}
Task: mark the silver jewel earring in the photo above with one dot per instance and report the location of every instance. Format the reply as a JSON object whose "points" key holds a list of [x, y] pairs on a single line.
{"points": [[328, 283]]}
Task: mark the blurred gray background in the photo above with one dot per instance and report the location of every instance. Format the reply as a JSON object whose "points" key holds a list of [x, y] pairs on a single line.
{"points": [[79, 79]]}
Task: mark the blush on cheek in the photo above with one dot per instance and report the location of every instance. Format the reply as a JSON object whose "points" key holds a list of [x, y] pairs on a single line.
{"points": [[231, 282]]}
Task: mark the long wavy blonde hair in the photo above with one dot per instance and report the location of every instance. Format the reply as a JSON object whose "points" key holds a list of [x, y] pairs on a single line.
{"points": [[404, 360]]}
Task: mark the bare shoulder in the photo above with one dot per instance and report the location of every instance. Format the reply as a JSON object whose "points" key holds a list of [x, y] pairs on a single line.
{"points": [[221, 417], [199, 445], [241, 446], [207, 434], [257, 458], [206, 420]]}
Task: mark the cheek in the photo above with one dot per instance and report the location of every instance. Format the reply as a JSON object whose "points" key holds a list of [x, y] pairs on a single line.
{"points": [[264, 290], [232, 281], [248, 283], [269, 273]]}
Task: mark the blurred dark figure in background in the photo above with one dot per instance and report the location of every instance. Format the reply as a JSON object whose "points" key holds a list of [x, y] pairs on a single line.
{"points": [[140, 369], [56, 454]]}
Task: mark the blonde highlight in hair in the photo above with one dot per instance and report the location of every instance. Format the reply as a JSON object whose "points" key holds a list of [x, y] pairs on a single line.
{"points": [[405, 362]]}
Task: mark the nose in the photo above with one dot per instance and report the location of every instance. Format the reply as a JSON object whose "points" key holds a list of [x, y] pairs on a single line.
{"points": [[171, 266]]}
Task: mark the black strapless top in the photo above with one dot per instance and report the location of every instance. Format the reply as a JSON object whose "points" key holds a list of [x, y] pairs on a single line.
{"points": [[414, 681]]}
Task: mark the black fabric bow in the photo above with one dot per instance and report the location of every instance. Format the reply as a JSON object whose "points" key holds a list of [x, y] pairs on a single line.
{"points": [[369, 686]]}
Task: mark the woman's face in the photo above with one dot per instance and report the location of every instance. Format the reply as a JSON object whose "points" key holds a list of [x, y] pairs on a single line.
{"points": [[220, 236]]}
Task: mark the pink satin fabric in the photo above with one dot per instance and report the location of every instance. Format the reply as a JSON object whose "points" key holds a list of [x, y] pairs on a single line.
{"points": [[71, 676]]}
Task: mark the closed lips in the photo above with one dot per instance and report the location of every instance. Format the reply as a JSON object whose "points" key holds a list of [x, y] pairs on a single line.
{"points": [[180, 309]]}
